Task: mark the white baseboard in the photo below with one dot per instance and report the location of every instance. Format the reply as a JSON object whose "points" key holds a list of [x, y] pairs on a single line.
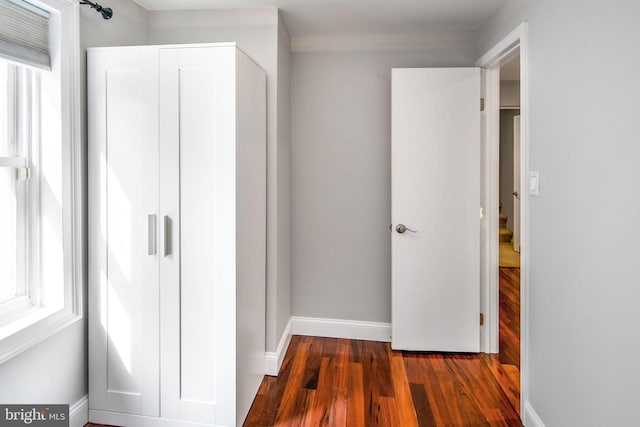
{"points": [[119, 419], [273, 360], [79, 412], [338, 328], [531, 417]]}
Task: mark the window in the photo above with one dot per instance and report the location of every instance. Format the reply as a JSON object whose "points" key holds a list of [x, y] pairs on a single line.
{"points": [[40, 204], [16, 186]]}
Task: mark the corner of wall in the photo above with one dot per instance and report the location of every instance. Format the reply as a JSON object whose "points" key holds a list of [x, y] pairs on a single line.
{"points": [[283, 177], [79, 412], [273, 360]]}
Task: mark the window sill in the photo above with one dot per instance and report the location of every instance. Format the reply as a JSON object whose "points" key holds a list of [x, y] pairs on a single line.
{"points": [[35, 326]]}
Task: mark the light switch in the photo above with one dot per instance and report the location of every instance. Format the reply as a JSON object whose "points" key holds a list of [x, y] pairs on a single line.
{"points": [[534, 183]]}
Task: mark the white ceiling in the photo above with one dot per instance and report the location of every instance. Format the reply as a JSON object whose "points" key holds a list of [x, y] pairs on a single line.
{"points": [[352, 17]]}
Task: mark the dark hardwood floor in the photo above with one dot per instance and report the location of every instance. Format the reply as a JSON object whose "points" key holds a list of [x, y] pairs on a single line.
{"points": [[509, 332], [510, 316], [338, 382]]}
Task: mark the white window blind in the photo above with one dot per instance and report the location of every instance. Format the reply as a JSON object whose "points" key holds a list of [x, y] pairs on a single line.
{"points": [[24, 33]]}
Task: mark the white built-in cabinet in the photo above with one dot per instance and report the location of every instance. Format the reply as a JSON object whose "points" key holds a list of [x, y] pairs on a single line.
{"points": [[177, 206]]}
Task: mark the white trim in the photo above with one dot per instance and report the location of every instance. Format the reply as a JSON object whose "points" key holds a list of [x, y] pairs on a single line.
{"points": [[273, 360], [165, 46], [380, 42], [490, 201], [504, 49], [120, 419], [79, 412], [13, 162], [500, 53], [73, 163], [531, 417], [28, 337], [339, 328]]}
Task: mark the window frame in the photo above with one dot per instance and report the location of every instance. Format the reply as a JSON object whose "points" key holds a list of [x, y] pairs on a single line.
{"points": [[62, 127], [22, 116]]}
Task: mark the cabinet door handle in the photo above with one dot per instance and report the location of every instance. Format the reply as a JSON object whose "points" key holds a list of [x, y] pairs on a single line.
{"points": [[167, 236], [152, 242]]}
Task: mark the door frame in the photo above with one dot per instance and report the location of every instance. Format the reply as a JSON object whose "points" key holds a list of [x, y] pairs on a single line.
{"points": [[490, 62]]}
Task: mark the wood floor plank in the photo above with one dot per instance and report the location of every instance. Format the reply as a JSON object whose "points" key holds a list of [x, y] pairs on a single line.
{"points": [[312, 366], [269, 407], [509, 381], [509, 318], [386, 413], [355, 396], [406, 410], [464, 409], [480, 385], [423, 371], [339, 388], [363, 384], [384, 382], [423, 410], [301, 408], [440, 387], [508, 374], [256, 414], [322, 403], [287, 411]]}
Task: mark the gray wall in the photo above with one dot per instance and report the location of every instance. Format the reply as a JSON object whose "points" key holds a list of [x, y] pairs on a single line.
{"points": [[55, 371], [506, 163], [584, 130], [509, 93], [341, 190]]}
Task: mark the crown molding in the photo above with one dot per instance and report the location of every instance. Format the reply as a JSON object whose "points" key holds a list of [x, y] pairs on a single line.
{"points": [[382, 42]]}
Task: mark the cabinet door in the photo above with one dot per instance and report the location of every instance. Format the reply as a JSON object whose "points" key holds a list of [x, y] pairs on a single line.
{"points": [[123, 200], [197, 131]]}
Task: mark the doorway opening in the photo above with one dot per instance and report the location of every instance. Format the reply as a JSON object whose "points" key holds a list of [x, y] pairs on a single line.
{"points": [[504, 237], [509, 190]]}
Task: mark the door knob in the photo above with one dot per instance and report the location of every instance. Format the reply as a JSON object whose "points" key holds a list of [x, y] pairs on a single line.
{"points": [[401, 228], [515, 193]]}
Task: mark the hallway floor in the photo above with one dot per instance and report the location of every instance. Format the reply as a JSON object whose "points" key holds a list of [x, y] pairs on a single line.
{"points": [[509, 334], [339, 382], [507, 256]]}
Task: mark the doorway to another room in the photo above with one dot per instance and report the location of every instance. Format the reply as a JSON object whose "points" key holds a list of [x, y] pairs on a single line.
{"points": [[509, 227]]}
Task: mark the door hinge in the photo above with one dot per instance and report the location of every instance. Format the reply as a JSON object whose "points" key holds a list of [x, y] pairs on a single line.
{"points": [[481, 212], [481, 319], [481, 104]]}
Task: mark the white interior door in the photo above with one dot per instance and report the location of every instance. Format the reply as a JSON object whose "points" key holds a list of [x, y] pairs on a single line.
{"points": [[436, 192], [517, 190]]}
